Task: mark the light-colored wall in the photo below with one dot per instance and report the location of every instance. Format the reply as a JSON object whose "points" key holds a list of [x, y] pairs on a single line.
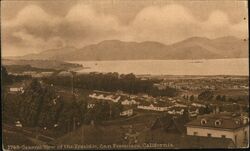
{"points": [[241, 136], [218, 133]]}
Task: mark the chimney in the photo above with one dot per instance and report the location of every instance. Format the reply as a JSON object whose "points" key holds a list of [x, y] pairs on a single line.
{"points": [[92, 123], [216, 110]]}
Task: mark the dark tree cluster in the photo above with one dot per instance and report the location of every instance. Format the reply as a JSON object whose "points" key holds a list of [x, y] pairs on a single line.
{"points": [[5, 77], [23, 68], [111, 82], [221, 98], [103, 110], [206, 95], [190, 98], [41, 106], [9, 79]]}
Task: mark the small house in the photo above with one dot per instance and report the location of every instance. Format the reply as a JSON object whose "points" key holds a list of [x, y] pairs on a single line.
{"points": [[128, 112]]}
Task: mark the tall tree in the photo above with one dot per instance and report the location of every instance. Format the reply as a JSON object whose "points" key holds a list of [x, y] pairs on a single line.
{"points": [[191, 98], [218, 98], [6, 79], [223, 98], [206, 95]]}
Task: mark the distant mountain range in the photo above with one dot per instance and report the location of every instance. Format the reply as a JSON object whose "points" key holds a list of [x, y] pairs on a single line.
{"points": [[191, 48]]}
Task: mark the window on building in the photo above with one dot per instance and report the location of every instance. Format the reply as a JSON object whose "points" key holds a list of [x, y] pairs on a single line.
{"points": [[203, 121], [195, 133], [223, 136], [217, 122], [209, 135]]}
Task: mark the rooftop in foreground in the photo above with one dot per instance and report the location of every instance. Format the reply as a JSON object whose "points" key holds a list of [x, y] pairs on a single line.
{"points": [[222, 120]]}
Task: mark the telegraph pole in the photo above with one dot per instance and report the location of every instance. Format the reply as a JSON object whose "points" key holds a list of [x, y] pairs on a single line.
{"points": [[72, 82], [82, 135], [72, 90], [74, 123], [110, 110]]}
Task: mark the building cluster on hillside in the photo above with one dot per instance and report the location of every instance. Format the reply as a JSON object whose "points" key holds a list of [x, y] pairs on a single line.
{"points": [[33, 74], [16, 90], [127, 112], [102, 97], [129, 102], [172, 106], [201, 84]]}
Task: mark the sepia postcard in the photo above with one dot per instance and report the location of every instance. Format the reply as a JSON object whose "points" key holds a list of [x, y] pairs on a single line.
{"points": [[124, 74]]}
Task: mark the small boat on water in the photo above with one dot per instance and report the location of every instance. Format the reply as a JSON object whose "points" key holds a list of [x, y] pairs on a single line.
{"points": [[196, 62], [86, 68]]}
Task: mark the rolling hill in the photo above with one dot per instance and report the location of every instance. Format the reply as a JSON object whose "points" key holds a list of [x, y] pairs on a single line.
{"points": [[39, 64], [191, 48]]}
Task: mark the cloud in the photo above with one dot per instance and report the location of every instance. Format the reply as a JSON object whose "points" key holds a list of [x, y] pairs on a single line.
{"points": [[173, 23], [165, 24], [34, 30], [31, 15], [30, 31], [83, 23]]}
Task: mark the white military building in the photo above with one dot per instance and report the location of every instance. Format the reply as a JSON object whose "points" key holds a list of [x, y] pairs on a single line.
{"points": [[221, 125]]}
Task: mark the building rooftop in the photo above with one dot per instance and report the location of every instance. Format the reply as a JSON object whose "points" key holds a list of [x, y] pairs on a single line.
{"points": [[221, 120], [180, 141], [170, 122], [205, 142]]}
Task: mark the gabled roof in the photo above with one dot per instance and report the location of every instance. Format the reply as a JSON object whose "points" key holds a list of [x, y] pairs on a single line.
{"points": [[184, 142], [227, 121], [197, 142], [170, 122]]}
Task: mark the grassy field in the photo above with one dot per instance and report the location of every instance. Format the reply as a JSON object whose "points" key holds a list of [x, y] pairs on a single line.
{"points": [[11, 138], [109, 131]]}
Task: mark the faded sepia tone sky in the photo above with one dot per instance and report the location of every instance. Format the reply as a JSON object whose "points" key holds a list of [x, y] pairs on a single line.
{"points": [[33, 26]]}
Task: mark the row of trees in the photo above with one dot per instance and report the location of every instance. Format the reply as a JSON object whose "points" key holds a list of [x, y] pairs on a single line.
{"points": [[190, 98], [205, 96], [111, 82], [9, 79], [209, 95], [220, 98]]}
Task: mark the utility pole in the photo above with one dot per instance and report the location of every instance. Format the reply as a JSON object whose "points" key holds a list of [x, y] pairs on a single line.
{"points": [[74, 123], [82, 135], [72, 91], [69, 126], [110, 111], [72, 84], [72, 81], [36, 132]]}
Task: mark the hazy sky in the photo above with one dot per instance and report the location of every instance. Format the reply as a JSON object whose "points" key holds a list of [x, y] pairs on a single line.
{"points": [[32, 26]]}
